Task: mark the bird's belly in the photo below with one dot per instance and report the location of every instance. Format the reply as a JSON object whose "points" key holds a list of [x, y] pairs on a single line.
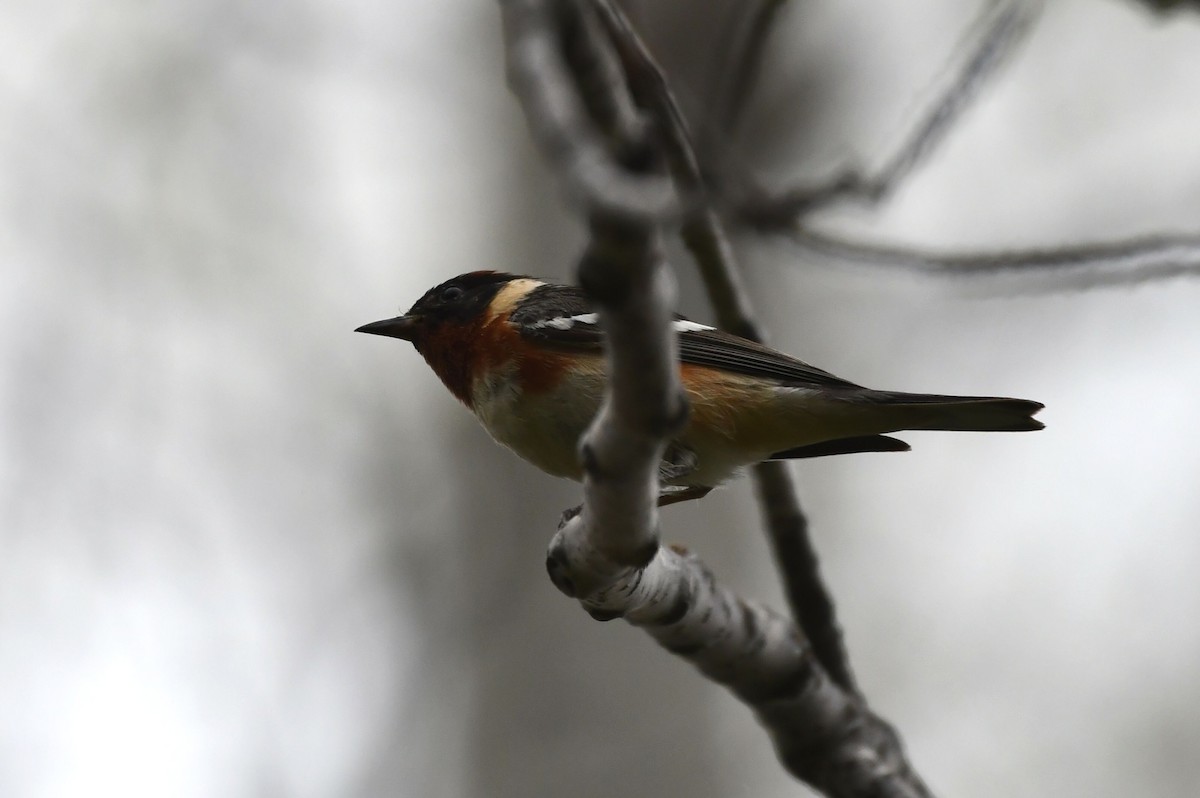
{"points": [[542, 428], [717, 461], [730, 427], [736, 423]]}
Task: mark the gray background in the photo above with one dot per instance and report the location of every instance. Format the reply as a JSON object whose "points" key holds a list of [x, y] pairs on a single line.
{"points": [[245, 552]]}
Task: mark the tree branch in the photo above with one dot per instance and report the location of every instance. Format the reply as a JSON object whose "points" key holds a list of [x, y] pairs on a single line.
{"points": [[1122, 262], [617, 530], [609, 558], [608, 555], [800, 570], [823, 736], [705, 238], [586, 82]]}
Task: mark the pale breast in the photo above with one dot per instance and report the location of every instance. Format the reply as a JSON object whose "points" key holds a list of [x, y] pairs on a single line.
{"points": [[542, 428]]}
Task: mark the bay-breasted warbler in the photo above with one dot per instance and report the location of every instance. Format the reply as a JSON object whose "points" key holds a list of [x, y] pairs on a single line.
{"points": [[527, 358]]}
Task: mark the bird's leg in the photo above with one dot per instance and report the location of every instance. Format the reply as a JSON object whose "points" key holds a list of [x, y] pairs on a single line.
{"points": [[682, 495], [678, 461]]}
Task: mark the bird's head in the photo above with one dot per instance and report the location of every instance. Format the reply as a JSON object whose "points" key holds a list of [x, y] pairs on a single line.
{"points": [[452, 327], [461, 301]]}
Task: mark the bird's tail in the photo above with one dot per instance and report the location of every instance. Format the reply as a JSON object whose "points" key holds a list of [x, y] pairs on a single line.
{"points": [[965, 413]]}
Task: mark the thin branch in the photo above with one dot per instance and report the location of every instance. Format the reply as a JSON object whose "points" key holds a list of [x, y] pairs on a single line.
{"points": [[1010, 21], [1002, 26], [792, 547], [1122, 262]]}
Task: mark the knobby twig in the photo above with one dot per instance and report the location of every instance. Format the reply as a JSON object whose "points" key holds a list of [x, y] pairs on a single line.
{"points": [[611, 543], [704, 235]]}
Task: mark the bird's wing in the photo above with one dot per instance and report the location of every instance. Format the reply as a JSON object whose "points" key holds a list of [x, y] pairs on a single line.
{"points": [[721, 350], [562, 318]]}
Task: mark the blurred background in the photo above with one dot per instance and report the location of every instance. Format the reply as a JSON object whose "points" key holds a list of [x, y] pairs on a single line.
{"points": [[246, 552]]}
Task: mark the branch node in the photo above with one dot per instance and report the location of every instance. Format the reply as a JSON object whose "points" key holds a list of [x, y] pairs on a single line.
{"points": [[643, 557], [590, 463], [558, 566]]}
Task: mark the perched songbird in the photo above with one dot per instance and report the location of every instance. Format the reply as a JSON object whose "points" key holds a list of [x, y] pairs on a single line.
{"points": [[527, 358]]}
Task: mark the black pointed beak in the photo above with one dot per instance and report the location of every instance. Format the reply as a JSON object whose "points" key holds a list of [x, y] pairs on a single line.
{"points": [[400, 327]]}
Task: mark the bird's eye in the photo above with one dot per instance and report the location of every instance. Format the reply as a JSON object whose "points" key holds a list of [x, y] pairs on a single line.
{"points": [[452, 294]]}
